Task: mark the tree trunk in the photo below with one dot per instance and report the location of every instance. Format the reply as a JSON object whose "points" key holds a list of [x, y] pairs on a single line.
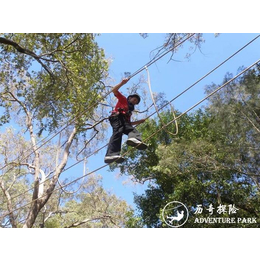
{"points": [[9, 204], [39, 202]]}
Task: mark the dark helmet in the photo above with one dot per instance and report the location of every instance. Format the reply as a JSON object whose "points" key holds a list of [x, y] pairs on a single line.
{"points": [[135, 95]]}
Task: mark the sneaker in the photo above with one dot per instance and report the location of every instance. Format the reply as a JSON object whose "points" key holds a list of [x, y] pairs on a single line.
{"points": [[114, 158], [136, 143]]}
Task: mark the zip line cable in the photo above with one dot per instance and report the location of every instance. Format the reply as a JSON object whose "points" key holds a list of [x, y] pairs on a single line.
{"points": [[96, 102], [99, 149], [182, 114], [208, 73]]}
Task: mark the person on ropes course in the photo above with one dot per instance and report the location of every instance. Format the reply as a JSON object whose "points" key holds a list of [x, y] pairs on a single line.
{"points": [[121, 124]]}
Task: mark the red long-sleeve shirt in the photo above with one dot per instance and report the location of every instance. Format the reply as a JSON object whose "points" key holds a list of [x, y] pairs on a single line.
{"points": [[122, 105]]}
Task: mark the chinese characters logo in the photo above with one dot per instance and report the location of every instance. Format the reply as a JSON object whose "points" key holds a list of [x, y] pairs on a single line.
{"points": [[221, 209], [224, 214]]}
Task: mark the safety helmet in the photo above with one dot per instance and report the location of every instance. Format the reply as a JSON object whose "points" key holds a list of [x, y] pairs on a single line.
{"points": [[135, 95]]}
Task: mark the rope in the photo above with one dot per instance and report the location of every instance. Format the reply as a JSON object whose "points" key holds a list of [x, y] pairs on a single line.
{"points": [[151, 93], [101, 167], [80, 186]]}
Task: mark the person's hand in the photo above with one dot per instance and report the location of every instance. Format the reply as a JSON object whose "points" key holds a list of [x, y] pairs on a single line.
{"points": [[142, 120], [138, 122], [118, 86], [124, 81]]}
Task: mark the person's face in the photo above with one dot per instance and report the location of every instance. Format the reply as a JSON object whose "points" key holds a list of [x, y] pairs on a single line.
{"points": [[133, 100]]}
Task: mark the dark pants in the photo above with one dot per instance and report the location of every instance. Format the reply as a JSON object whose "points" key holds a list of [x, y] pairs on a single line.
{"points": [[120, 126]]}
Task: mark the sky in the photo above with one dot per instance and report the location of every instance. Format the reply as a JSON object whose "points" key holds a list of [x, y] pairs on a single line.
{"points": [[128, 52]]}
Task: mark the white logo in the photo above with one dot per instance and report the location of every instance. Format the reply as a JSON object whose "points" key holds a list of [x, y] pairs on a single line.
{"points": [[175, 214]]}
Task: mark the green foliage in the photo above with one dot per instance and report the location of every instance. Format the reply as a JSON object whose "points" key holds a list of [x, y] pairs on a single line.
{"points": [[89, 207], [92, 207], [55, 75]]}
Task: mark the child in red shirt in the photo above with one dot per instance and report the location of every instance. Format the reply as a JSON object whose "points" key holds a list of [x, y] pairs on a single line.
{"points": [[120, 121]]}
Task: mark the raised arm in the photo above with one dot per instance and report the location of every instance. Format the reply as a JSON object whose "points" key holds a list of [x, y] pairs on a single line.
{"points": [[118, 86]]}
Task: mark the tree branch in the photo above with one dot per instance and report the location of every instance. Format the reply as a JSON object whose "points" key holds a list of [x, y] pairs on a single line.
{"points": [[27, 52], [58, 171], [57, 212], [9, 204], [58, 50], [76, 224]]}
